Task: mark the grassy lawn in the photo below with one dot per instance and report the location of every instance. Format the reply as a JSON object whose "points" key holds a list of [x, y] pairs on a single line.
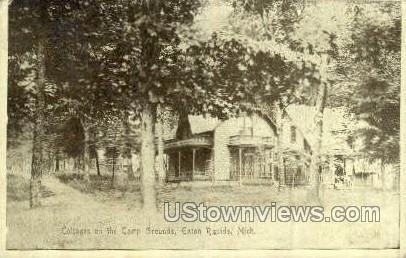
{"points": [[220, 194], [102, 189], [95, 203]]}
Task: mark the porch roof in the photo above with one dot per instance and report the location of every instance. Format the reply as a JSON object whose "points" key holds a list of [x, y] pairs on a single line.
{"points": [[295, 152], [195, 141]]}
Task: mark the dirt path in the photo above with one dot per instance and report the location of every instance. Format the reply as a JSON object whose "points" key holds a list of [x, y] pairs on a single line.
{"points": [[64, 210], [67, 196]]}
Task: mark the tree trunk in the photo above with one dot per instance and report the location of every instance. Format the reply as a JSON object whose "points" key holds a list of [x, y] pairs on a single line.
{"points": [[148, 120], [57, 161], [39, 130], [383, 174], [86, 150], [36, 168], [94, 145], [278, 116], [160, 156], [112, 177], [50, 167], [76, 163], [129, 165], [184, 130], [150, 55], [97, 162], [127, 147], [315, 166]]}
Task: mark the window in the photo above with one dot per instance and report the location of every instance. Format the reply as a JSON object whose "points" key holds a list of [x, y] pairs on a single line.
{"points": [[266, 164], [248, 124], [293, 134], [306, 146], [276, 174]]}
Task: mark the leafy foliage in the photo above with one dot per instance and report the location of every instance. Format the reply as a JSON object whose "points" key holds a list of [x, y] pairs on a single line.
{"points": [[104, 58], [362, 43], [369, 77]]}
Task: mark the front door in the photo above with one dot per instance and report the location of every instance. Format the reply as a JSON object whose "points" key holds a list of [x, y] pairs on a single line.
{"points": [[249, 165]]}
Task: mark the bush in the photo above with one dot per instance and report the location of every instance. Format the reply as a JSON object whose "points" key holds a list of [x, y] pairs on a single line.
{"points": [[96, 183]]}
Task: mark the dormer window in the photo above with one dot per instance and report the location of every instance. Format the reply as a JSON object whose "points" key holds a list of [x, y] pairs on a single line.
{"points": [[293, 134]]}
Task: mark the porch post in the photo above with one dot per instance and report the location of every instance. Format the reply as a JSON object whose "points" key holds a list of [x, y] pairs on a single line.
{"points": [[344, 165], [332, 173], [179, 163], [240, 165], [345, 170], [193, 161]]}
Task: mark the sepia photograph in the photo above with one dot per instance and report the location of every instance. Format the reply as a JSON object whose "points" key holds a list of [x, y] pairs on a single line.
{"points": [[203, 125]]}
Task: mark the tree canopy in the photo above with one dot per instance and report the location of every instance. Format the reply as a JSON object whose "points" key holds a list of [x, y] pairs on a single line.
{"points": [[98, 61]]}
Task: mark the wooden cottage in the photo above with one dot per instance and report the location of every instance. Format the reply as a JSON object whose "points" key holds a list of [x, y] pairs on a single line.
{"points": [[247, 149], [259, 149]]}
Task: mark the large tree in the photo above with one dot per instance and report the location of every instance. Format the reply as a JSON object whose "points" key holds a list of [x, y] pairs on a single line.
{"points": [[50, 73], [274, 26], [132, 56], [29, 24], [152, 56], [369, 77]]}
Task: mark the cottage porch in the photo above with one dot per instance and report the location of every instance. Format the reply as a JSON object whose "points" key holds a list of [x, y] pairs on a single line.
{"points": [[252, 159], [189, 159]]}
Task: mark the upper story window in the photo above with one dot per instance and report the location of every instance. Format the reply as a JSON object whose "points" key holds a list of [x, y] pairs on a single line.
{"points": [[248, 121], [293, 134], [248, 124]]}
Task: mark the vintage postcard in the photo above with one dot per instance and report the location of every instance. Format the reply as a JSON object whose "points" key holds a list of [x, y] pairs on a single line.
{"points": [[200, 125]]}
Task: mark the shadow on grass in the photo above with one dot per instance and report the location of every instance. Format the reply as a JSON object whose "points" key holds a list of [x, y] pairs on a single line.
{"points": [[18, 189], [97, 183]]}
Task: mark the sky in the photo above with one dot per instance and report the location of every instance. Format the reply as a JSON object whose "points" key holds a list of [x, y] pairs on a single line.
{"points": [[214, 17]]}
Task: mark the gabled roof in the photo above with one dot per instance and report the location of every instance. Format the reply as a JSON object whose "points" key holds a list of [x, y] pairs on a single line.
{"points": [[201, 124], [336, 126], [198, 124]]}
